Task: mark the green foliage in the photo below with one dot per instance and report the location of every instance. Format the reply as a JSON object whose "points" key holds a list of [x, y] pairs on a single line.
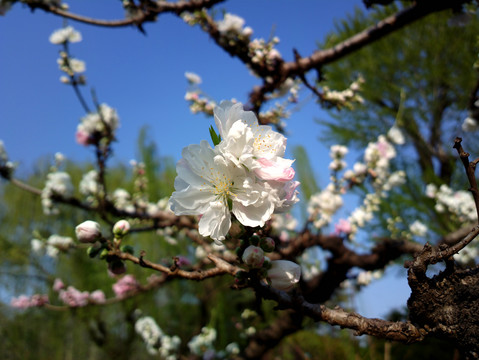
{"points": [[430, 62], [215, 138], [419, 78]]}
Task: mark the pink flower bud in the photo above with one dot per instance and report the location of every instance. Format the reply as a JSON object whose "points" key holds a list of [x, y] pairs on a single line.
{"points": [[121, 228], [88, 231], [284, 274], [58, 285], [253, 256], [279, 170], [267, 244]]}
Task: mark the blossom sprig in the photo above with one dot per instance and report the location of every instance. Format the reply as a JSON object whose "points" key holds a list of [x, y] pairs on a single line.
{"points": [[72, 67], [345, 98], [245, 174], [199, 101], [157, 342], [53, 245]]}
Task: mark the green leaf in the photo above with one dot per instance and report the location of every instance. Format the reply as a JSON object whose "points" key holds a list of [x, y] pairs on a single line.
{"points": [[214, 136]]}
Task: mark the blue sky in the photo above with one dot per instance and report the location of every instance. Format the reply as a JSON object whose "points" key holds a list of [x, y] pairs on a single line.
{"points": [[143, 78]]}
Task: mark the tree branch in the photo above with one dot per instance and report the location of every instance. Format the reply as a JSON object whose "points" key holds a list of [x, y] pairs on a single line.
{"points": [[145, 15]]}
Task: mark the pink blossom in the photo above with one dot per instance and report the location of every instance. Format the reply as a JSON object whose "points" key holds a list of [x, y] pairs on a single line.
{"points": [[82, 137], [97, 297], [21, 302], [343, 226], [58, 285], [279, 170], [73, 297], [24, 302], [127, 284]]}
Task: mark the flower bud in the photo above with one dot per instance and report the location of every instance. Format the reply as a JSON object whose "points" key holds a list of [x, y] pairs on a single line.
{"points": [[267, 244], [121, 228], [88, 231], [283, 274], [253, 256]]}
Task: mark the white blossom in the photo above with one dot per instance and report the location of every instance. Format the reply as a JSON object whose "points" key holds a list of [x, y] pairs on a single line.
{"points": [[245, 174], [230, 23], [470, 124], [418, 228], [193, 78], [284, 274], [396, 135], [208, 185], [66, 34], [58, 184]]}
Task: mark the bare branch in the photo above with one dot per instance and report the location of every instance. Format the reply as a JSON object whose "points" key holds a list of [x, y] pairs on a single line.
{"points": [[397, 331], [145, 15]]}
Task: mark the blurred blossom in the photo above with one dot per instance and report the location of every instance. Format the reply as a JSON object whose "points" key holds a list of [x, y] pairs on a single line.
{"points": [[193, 78], [284, 274], [66, 34], [124, 286]]}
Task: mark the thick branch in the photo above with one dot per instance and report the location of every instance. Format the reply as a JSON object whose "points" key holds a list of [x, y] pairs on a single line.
{"points": [[322, 57], [397, 331], [145, 15]]}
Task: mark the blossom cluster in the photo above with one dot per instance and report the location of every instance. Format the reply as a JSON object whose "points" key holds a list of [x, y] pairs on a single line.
{"points": [[459, 204], [156, 341], [264, 53], [58, 183], [73, 297], [24, 301], [376, 164], [53, 245], [245, 174], [125, 286], [344, 98], [96, 125]]}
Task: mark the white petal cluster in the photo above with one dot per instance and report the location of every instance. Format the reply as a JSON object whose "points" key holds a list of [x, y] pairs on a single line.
{"points": [[323, 205], [58, 183], [244, 174], [396, 136], [417, 228], [337, 154], [66, 34], [104, 122], [470, 124], [203, 342], [231, 23], [458, 203], [56, 243]]}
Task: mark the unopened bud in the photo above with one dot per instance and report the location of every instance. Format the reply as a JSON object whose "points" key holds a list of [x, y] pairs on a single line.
{"points": [[88, 231], [253, 256], [121, 228], [267, 244]]}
